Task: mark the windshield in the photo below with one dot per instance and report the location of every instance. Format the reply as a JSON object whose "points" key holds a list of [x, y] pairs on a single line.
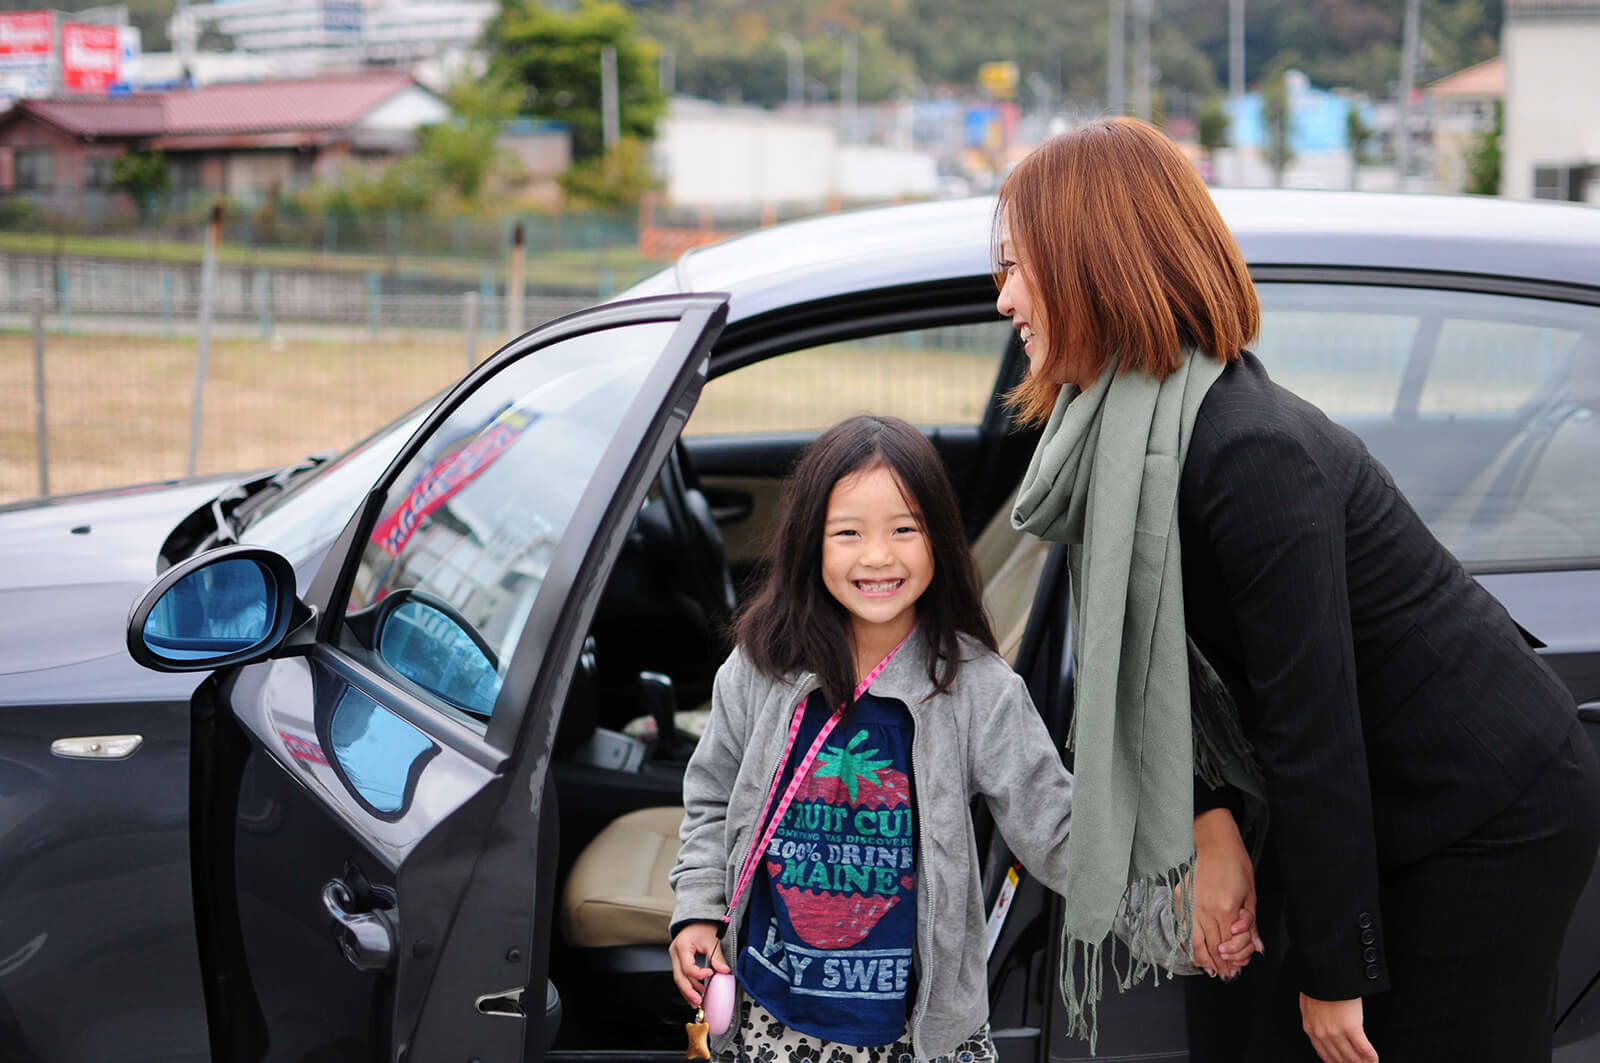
{"points": [[320, 502]]}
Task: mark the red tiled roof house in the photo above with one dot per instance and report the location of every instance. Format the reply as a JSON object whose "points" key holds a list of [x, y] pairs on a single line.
{"points": [[233, 139]]}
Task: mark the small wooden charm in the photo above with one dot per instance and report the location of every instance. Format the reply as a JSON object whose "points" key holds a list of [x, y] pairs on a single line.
{"points": [[698, 1032]]}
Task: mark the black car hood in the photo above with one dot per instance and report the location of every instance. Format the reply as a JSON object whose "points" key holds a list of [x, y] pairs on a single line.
{"points": [[70, 569]]}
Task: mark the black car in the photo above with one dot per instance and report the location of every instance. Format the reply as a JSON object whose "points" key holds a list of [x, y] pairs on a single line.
{"points": [[400, 775]]}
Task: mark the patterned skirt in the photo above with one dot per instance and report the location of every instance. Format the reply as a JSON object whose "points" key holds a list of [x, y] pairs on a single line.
{"points": [[763, 1039]]}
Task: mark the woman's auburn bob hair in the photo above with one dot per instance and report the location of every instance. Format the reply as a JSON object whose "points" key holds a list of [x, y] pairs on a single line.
{"points": [[1126, 256]]}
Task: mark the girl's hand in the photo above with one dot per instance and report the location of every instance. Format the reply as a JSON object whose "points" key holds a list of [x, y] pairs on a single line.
{"points": [[1336, 1031], [1224, 887], [696, 939]]}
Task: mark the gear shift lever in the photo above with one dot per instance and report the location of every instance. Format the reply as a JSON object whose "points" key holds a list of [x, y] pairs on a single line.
{"points": [[660, 701]]}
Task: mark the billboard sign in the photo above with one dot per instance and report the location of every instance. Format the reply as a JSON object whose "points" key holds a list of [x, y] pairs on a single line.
{"points": [[26, 39], [90, 57]]}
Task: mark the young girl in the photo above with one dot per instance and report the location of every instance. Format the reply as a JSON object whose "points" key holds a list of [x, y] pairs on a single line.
{"points": [[859, 933]]}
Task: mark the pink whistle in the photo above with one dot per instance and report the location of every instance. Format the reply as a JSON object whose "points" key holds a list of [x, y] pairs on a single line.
{"points": [[718, 1003]]}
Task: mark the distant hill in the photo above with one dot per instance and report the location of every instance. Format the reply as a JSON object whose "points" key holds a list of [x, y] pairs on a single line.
{"points": [[724, 48]]}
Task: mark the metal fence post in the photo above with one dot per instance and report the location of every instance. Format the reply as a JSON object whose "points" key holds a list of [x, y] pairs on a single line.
{"points": [[264, 301], [517, 281], [168, 326], [202, 365], [374, 303], [41, 420], [64, 297], [469, 310]]}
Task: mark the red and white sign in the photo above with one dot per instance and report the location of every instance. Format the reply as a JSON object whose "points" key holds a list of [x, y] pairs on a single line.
{"points": [[26, 37], [90, 57]]}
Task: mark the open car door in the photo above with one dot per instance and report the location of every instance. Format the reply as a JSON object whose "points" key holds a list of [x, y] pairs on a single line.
{"points": [[374, 832]]}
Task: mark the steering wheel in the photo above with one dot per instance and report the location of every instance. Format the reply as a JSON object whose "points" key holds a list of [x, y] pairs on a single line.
{"points": [[699, 539]]}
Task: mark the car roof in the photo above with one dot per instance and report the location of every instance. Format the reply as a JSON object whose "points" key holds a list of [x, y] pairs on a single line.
{"points": [[862, 250]]}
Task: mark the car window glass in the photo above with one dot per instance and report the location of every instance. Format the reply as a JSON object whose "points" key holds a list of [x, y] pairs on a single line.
{"points": [[1336, 346], [459, 552], [932, 376], [315, 509], [1483, 366], [1484, 408]]}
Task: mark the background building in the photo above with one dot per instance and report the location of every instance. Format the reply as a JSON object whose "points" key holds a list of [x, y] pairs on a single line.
{"points": [[1551, 148]]}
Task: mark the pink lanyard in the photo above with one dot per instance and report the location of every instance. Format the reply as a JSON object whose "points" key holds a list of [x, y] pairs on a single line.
{"points": [[752, 859]]}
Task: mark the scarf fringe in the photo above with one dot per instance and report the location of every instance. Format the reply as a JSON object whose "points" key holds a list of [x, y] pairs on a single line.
{"points": [[1153, 945]]}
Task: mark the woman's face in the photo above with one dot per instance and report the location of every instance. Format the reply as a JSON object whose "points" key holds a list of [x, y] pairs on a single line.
{"points": [[1016, 301]]}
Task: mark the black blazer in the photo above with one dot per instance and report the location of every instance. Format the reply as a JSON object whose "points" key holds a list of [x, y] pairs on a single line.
{"points": [[1393, 703]]}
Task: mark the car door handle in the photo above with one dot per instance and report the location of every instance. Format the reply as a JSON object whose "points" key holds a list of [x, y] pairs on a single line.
{"points": [[365, 938], [728, 506]]}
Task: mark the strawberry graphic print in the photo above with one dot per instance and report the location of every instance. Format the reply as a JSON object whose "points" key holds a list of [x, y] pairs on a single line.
{"points": [[828, 941]]}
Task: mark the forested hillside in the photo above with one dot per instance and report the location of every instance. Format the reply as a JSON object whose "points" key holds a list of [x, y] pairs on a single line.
{"points": [[726, 48]]}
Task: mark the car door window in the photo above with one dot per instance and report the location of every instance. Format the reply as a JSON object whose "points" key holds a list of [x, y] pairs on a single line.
{"points": [[457, 556], [943, 375], [1485, 408]]}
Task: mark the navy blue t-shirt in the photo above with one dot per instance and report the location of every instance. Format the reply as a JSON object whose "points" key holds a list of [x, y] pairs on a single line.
{"points": [[829, 932]]}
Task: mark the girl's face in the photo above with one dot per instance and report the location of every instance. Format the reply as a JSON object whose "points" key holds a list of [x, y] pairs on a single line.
{"points": [[876, 561]]}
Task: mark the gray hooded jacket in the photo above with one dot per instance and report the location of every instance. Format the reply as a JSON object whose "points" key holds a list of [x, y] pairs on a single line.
{"points": [[983, 736]]}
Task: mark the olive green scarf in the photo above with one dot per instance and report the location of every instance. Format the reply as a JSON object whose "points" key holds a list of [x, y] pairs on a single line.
{"points": [[1104, 480]]}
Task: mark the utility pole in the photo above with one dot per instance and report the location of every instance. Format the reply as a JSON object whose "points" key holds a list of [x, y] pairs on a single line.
{"points": [[1236, 79], [1116, 65], [797, 67], [611, 122], [1141, 59], [1408, 79]]}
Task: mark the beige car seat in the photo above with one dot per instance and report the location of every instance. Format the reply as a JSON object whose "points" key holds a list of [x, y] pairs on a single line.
{"points": [[617, 892]]}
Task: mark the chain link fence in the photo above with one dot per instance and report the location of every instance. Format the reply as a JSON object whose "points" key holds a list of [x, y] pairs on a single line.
{"points": [[100, 366]]}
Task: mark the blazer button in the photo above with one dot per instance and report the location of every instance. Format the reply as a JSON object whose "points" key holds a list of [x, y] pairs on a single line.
{"points": [[1371, 955], [1372, 971], [1368, 937], [1364, 920]]}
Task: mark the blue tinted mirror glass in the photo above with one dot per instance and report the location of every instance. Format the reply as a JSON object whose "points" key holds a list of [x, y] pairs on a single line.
{"points": [[434, 649], [214, 612], [376, 749]]}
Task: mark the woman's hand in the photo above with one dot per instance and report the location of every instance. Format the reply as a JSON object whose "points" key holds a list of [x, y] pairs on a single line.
{"points": [[1224, 887], [1336, 1031], [696, 939]]}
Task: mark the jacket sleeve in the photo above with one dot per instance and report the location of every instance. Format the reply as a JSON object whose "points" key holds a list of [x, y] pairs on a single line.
{"points": [[699, 877], [1275, 521], [1014, 763]]}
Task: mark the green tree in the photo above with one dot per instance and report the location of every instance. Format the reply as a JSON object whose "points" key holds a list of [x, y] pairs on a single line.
{"points": [[1277, 115], [1483, 158], [554, 57], [461, 151], [1357, 134], [144, 176], [1211, 128], [619, 178]]}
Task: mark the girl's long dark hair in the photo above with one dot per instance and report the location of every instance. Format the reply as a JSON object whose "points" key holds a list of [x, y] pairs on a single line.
{"points": [[794, 624]]}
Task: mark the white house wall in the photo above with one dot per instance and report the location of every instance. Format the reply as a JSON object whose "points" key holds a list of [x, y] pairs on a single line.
{"points": [[405, 112], [1551, 118], [742, 157]]}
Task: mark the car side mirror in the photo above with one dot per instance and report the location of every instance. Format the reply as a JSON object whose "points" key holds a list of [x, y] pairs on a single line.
{"points": [[233, 605]]}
